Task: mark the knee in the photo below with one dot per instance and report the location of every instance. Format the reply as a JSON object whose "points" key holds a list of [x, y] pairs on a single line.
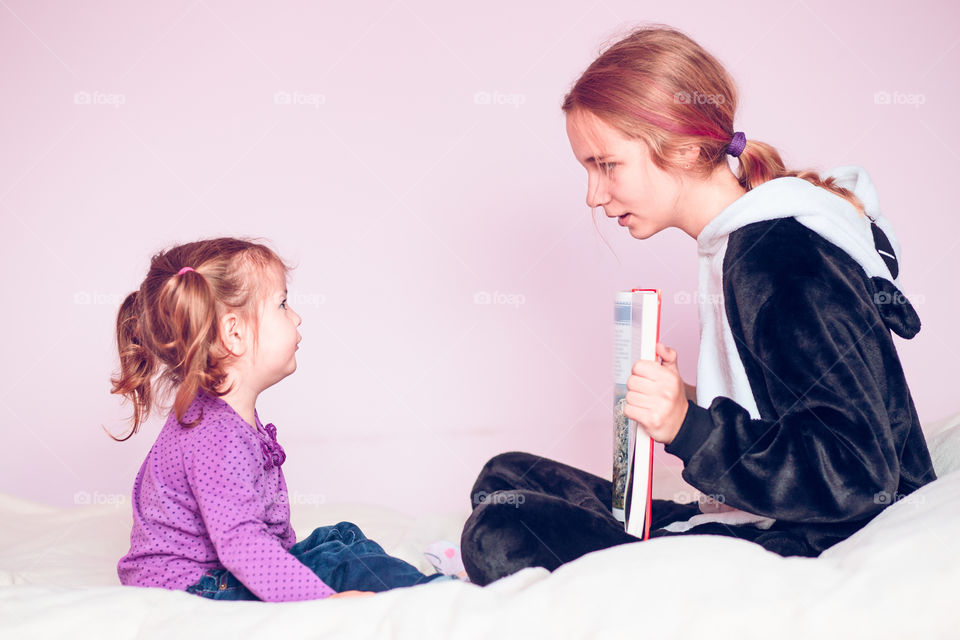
{"points": [[491, 538], [349, 532], [345, 532], [501, 473], [495, 511], [509, 460]]}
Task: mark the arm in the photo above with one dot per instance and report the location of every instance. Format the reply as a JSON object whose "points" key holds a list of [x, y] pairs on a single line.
{"points": [[830, 450], [222, 466]]}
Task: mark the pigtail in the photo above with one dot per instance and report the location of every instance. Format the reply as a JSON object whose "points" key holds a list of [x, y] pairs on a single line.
{"points": [[760, 162], [190, 326], [137, 364]]}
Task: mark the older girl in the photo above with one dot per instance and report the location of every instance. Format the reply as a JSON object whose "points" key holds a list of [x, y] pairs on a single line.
{"points": [[801, 423]]}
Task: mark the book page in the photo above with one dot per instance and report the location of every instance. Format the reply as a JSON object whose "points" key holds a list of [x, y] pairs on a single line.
{"points": [[622, 366]]}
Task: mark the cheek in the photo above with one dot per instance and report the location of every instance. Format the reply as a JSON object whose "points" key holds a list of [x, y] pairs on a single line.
{"points": [[630, 191], [647, 192], [631, 182]]}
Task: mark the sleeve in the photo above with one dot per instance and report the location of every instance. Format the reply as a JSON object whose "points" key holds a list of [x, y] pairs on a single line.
{"points": [[830, 454], [222, 467]]}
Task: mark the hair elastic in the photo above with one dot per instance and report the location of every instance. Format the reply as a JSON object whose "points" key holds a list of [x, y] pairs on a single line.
{"points": [[736, 146], [184, 270]]}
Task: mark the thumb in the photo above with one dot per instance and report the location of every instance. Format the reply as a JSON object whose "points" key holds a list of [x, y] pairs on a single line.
{"points": [[668, 356]]}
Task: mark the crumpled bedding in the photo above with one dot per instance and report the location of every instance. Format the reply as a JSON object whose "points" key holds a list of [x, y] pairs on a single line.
{"points": [[896, 577]]}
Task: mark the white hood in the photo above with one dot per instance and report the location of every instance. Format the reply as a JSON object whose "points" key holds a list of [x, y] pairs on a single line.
{"points": [[816, 208]]}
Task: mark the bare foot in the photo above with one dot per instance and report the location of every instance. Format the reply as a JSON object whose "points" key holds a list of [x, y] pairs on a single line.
{"points": [[351, 594]]}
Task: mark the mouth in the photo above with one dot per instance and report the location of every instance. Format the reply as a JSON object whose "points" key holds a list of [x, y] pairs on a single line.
{"points": [[622, 220]]}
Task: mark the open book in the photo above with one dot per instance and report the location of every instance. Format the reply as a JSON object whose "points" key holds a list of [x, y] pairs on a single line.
{"points": [[636, 324]]}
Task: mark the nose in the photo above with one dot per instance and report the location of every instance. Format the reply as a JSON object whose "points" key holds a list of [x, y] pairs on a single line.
{"points": [[297, 316], [597, 194]]}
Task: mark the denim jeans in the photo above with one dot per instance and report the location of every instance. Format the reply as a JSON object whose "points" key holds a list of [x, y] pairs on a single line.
{"points": [[340, 555]]}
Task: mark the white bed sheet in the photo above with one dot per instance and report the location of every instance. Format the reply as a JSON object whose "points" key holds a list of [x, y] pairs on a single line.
{"points": [[898, 577]]}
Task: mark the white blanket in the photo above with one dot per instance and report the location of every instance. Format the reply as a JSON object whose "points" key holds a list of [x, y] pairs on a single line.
{"points": [[898, 577]]}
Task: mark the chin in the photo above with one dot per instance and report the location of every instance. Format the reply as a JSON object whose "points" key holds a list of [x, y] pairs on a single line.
{"points": [[643, 234]]}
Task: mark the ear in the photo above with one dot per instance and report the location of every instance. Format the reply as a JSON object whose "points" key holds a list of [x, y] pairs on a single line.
{"points": [[232, 334]]}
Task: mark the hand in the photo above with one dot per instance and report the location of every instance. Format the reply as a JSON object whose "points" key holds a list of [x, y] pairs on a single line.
{"points": [[351, 594], [656, 396]]}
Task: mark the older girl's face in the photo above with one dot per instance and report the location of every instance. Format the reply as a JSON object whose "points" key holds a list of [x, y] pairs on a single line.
{"points": [[621, 177]]}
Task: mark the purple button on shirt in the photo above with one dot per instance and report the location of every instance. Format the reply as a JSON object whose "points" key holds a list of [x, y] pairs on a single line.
{"points": [[213, 496]]}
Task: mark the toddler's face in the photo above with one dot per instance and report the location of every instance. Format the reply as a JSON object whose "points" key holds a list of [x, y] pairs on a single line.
{"points": [[278, 338]]}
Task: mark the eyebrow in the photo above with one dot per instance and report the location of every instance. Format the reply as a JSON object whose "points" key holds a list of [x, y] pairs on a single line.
{"points": [[596, 159]]}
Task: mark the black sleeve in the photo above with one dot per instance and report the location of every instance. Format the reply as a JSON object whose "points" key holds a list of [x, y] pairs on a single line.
{"points": [[827, 450]]}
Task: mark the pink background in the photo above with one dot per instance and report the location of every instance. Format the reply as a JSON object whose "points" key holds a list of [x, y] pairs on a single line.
{"points": [[410, 157]]}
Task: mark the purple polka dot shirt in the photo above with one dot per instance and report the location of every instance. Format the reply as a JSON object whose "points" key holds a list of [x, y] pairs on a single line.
{"points": [[213, 496]]}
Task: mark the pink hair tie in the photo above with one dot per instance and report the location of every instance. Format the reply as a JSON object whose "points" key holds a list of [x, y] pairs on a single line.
{"points": [[184, 270]]}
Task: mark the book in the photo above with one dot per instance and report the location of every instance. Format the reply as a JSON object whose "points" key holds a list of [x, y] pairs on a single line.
{"points": [[636, 322]]}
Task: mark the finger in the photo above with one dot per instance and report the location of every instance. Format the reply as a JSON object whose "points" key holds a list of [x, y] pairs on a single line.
{"points": [[634, 413], [652, 373], [641, 384], [645, 418], [657, 405], [639, 400], [645, 369]]}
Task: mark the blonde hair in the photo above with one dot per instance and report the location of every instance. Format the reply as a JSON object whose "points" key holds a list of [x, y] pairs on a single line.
{"points": [[168, 329], [660, 86]]}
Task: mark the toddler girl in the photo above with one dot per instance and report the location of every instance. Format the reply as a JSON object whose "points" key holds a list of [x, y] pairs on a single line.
{"points": [[210, 509]]}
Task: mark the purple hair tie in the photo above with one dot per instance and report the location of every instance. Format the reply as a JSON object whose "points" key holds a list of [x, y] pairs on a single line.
{"points": [[737, 145]]}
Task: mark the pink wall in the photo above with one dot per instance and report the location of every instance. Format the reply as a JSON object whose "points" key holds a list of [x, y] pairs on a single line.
{"points": [[409, 157]]}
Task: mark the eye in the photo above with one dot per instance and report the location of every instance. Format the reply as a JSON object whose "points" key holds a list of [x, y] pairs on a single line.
{"points": [[283, 305], [607, 167]]}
